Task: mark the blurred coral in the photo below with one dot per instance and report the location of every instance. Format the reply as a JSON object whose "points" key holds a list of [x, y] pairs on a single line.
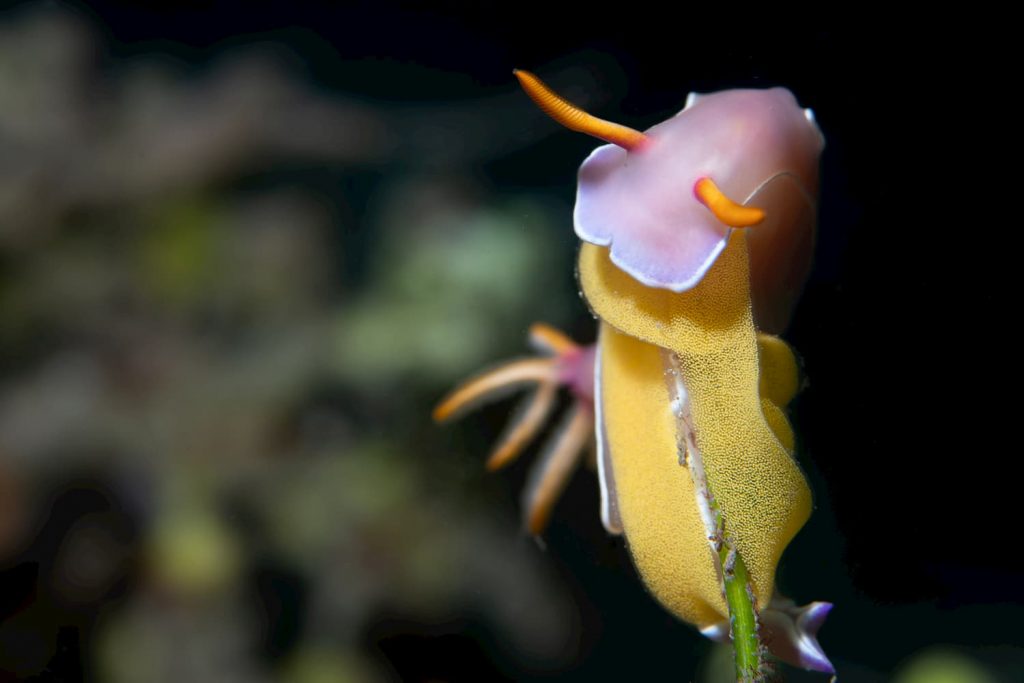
{"points": [[199, 469]]}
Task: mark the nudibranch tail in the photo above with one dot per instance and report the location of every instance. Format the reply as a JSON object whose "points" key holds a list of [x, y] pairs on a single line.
{"points": [[791, 633], [574, 118], [726, 210]]}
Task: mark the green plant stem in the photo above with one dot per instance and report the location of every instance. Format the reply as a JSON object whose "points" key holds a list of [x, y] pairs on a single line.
{"points": [[742, 621]]}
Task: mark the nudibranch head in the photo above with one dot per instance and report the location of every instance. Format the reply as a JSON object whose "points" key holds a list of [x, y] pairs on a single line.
{"points": [[666, 200], [759, 147]]}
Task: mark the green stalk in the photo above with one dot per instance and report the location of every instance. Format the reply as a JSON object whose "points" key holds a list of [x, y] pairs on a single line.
{"points": [[742, 620], [738, 592]]}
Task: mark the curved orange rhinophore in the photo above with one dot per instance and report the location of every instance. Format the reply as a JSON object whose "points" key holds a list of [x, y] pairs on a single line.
{"points": [[726, 210], [574, 118]]}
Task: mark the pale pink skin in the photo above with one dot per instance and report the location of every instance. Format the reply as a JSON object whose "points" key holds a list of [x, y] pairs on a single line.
{"points": [[759, 147]]}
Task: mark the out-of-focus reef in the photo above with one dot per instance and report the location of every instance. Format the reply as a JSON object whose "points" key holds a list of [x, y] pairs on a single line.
{"points": [[227, 299]]}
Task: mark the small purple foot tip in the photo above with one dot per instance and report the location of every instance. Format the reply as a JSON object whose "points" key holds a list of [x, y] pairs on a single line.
{"points": [[791, 633]]}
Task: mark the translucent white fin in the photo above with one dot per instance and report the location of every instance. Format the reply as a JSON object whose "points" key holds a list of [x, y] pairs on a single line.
{"points": [[609, 500]]}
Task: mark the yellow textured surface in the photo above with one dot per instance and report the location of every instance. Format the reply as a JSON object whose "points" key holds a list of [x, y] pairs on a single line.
{"points": [[779, 382], [780, 375], [778, 423], [655, 495], [761, 492]]}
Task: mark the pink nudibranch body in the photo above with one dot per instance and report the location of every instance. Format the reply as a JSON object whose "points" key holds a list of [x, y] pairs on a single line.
{"points": [[761, 149], [686, 390]]}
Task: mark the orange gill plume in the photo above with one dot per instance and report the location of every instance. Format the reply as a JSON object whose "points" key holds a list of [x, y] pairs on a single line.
{"points": [[564, 363]]}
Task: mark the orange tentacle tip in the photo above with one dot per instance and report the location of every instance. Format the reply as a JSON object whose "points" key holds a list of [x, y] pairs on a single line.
{"points": [[522, 430], [725, 209], [551, 475], [494, 381], [574, 118], [551, 340]]}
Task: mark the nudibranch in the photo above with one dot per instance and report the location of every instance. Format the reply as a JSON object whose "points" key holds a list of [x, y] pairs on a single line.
{"points": [[697, 238]]}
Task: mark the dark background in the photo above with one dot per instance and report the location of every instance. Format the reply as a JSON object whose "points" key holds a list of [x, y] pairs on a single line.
{"points": [[906, 428]]}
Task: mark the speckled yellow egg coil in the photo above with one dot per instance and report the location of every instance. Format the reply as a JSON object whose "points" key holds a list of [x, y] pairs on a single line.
{"points": [[737, 382]]}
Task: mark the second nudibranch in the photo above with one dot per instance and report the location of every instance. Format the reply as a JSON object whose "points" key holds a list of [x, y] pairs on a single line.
{"points": [[686, 390]]}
